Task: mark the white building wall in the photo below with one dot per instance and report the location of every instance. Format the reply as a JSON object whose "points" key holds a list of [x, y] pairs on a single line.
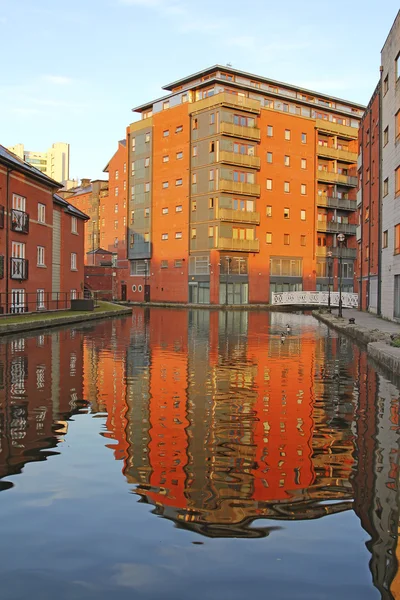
{"points": [[54, 162], [390, 160]]}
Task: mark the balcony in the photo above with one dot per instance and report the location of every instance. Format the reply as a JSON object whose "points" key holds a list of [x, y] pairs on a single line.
{"points": [[343, 131], [238, 245], [238, 216], [331, 177], [1, 217], [335, 227], [337, 154], [19, 268], [226, 99], [340, 203], [19, 221], [242, 160], [346, 252], [240, 131], [236, 187]]}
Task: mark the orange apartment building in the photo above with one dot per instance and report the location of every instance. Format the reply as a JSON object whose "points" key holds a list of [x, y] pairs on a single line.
{"points": [[238, 187], [41, 240]]}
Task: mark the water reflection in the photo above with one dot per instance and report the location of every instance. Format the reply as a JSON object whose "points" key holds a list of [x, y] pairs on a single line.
{"points": [[219, 425]]}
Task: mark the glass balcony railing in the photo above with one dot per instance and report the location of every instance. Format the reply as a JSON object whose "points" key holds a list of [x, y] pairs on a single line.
{"points": [[332, 177], [333, 202], [237, 187], [238, 245], [238, 216], [240, 131], [242, 160], [335, 227], [337, 154]]}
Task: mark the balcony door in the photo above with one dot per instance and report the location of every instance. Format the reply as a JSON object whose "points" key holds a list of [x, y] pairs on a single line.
{"points": [[17, 301], [18, 202], [18, 249]]}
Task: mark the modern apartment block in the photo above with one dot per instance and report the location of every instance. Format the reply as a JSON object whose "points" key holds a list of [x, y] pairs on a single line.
{"points": [[41, 240], [238, 187], [54, 163]]}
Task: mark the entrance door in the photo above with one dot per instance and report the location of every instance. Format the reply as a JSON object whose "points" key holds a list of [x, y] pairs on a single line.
{"points": [[123, 292], [17, 301], [147, 293]]}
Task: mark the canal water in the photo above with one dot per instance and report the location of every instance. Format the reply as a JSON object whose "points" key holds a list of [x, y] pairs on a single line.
{"points": [[197, 455]]}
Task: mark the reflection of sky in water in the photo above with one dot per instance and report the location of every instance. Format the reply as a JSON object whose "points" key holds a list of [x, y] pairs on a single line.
{"points": [[281, 458]]}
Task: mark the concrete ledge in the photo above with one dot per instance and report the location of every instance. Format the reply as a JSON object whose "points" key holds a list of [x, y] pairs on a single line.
{"points": [[11, 328], [267, 307], [385, 355]]}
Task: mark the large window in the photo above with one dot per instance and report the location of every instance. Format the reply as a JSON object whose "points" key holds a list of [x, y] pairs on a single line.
{"points": [[138, 268], [233, 265], [286, 267], [199, 265]]}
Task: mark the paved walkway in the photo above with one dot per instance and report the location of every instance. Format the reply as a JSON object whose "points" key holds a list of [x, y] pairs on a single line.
{"points": [[370, 321]]}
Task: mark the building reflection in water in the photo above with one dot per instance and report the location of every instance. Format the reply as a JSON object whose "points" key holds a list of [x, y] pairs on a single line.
{"points": [[219, 425]]}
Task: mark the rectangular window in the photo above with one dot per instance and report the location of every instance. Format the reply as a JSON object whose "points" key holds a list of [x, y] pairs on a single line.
{"points": [[73, 261], [179, 129], [147, 138], [385, 239], [269, 210], [165, 210], [286, 213], [164, 236], [386, 136], [287, 134], [386, 187], [302, 240], [270, 131], [269, 157], [397, 124], [147, 187], [133, 144], [165, 158], [212, 118], [287, 161], [194, 151], [303, 215], [303, 189], [194, 233], [146, 162], [210, 231], [115, 224], [386, 84], [286, 187], [147, 212], [164, 264], [179, 155], [133, 168], [73, 294], [397, 239], [178, 208], [178, 182], [194, 205], [146, 237], [124, 167], [211, 175], [178, 263], [195, 124], [40, 256], [40, 299], [286, 239], [166, 133], [124, 185], [132, 217], [211, 203], [397, 66], [269, 184], [268, 238], [41, 213], [166, 105], [116, 174], [194, 178], [116, 208], [165, 184], [178, 235], [304, 138], [304, 163], [397, 181]]}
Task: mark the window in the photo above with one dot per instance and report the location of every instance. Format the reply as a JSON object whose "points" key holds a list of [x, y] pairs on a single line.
{"points": [[211, 203], [165, 184], [164, 236], [73, 294], [287, 134], [386, 84], [40, 256], [195, 124], [268, 238], [211, 231], [397, 239], [286, 187], [178, 208], [386, 187], [385, 239], [269, 157], [285, 107], [116, 208], [179, 155], [397, 124], [269, 211], [124, 167], [133, 168], [165, 210], [147, 162], [179, 129], [302, 215], [164, 264], [73, 261], [116, 242], [286, 213], [194, 178], [212, 118], [386, 136], [304, 163], [178, 182], [194, 233], [270, 131], [397, 66], [133, 144], [211, 175], [166, 133], [212, 147], [194, 205], [287, 161], [147, 187], [185, 97], [194, 151], [115, 224], [302, 240], [116, 174], [124, 185], [286, 239], [178, 263], [41, 213], [165, 158], [166, 105], [116, 191], [269, 184], [397, 181], [304, 138], [147, 212], [303, 189], [40, 299], [147, 138]]}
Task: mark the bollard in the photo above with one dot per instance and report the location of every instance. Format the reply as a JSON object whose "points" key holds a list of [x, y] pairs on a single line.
{"points": [[352, 321]]}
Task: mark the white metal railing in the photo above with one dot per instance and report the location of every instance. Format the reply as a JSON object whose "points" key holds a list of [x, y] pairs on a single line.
{"points": [[314, 299]]}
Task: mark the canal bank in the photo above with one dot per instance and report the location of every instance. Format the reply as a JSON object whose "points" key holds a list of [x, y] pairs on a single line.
{"points": [[375, 333], [30, 322]]}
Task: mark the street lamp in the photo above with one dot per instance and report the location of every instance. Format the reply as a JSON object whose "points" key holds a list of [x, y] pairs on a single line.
{"points": [[145, 279], [228, 258], [329, 255], [340, 239]]}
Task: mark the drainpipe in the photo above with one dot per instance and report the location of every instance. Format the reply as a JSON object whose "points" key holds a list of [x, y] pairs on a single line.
{"points": [[370, 211], [7, 219], [379, 303], [361, 245]]}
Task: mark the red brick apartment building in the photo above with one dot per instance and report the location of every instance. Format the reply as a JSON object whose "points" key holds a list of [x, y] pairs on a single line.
{"points": [[41, 240], [238, 186]]}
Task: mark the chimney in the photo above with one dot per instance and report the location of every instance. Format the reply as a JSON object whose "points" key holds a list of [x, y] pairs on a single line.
{"points": [[85, 182]]}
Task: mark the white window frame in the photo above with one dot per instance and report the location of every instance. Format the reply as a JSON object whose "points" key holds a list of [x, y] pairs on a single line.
{"points": [[74, 225], [40, 295], [40, 256], [41, 213], [73, 262]]}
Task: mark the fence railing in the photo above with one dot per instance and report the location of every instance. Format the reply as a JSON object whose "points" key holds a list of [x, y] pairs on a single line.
{"points": [[19, 301]]}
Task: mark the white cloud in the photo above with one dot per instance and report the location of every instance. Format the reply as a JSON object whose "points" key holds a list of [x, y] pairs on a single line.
{"points": [[58, 79]]}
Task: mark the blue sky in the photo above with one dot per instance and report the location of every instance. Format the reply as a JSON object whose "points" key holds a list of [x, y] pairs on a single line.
{"points": [[71, 70]]}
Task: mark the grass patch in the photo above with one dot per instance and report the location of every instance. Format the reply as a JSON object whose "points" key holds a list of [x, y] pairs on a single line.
{"points": [[396, 343], [33, 318]]}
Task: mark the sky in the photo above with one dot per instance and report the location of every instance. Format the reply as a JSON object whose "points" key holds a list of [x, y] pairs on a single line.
{"points": [[72, 70]]}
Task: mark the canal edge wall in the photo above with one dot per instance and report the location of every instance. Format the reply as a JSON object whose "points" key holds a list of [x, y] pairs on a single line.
{"points": [[377, 342]]}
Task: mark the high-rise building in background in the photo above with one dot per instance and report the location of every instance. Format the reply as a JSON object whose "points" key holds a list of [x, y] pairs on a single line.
{"points": [[238, 187], [54, 163]]}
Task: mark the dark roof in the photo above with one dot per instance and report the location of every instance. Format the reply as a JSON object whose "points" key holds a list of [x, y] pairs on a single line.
{"points": [[69, 208], [99, 251], [81, 190], [122, 142], [12, 160]]}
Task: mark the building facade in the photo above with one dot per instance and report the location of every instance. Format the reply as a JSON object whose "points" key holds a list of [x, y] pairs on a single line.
{"points": [[54, 163], [238, 187], [41, 240]]}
